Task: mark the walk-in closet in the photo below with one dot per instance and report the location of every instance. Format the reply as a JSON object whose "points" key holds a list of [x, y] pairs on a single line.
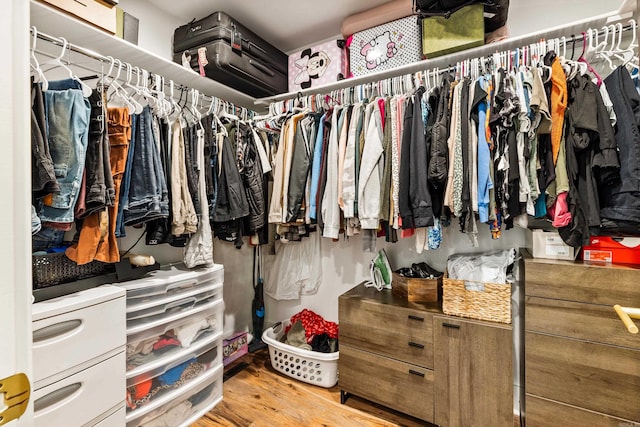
{"points": [[353, 213]]}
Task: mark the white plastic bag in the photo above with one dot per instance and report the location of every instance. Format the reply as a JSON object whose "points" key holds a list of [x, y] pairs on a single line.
{"points": [[296, 269]]}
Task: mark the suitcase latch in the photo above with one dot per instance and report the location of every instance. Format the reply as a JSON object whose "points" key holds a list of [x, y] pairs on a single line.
{"points": [[236, 40]]}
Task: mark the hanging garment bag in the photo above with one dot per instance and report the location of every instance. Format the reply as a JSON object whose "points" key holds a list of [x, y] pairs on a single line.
{"points": [[224, 50]]}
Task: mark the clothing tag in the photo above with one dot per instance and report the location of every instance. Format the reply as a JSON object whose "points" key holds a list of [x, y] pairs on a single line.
{"points": [[186, 60], [202, 60]]}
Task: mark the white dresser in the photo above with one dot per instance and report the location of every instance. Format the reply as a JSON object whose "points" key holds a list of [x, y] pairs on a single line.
{"points": [[174, 326], [79, 359]]}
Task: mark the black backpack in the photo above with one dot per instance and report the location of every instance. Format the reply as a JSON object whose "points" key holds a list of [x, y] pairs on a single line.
{"points": [[496, 11]]}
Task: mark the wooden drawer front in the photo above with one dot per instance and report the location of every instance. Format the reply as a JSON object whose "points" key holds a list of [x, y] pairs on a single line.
{"points": [[594, 284], [474, 373], [598, 377], [396, 332], [401, 386], [589, 322], [549, 413]]}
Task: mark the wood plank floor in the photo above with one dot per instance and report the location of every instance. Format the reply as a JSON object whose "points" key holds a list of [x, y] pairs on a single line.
{"points": [[260, 396]]}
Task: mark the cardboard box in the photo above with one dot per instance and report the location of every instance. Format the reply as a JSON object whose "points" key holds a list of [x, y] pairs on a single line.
{"points": [[416, 289], [549, 245], [97, 13], [234, 347], [615, 250]]}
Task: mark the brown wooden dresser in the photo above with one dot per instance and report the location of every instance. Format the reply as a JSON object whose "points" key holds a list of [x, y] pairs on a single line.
{"points": [[410, 357], [582, 367]]}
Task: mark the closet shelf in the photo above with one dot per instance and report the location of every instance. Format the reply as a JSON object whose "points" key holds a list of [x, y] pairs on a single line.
{"points": [[446, 61], [58, 24]]}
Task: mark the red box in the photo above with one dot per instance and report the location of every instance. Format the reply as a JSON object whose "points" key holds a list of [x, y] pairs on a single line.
{"points": [[234, 347], [616, 250]]}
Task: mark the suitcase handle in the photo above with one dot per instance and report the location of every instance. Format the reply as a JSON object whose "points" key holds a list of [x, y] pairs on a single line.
{"points": [[261, 67]]}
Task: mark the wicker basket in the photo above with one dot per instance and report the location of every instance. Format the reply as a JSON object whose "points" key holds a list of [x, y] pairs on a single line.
{"points": [[56, 268], [493, 303]]}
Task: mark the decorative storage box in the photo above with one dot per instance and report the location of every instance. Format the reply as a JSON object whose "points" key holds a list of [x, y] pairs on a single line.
{"points": [[234, 347], [385, 46], [97, 13], [322, 64], [417, 289], [482, 301], [462, 30]]}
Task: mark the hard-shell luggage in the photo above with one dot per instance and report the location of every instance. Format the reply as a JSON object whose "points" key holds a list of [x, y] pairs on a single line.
{"points": [[322, 64], [222, 49]]}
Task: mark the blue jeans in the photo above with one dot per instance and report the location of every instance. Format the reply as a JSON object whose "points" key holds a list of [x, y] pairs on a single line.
{"points": [[126, 178], [68, 114], [148, 196]]}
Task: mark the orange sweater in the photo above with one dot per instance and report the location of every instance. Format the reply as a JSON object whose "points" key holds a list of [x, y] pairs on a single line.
{"points": [[558, 105]]}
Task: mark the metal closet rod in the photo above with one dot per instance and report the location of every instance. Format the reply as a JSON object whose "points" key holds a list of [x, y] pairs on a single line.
{"points": [[122, 64], [509, 45]]}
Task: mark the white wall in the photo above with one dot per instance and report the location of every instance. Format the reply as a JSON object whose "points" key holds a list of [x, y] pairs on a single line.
{"points": [[155, 32], [527, 16]]}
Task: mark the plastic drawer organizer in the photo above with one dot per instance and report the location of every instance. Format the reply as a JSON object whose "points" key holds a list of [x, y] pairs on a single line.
{"points": [[310, 367], [174, 345]]}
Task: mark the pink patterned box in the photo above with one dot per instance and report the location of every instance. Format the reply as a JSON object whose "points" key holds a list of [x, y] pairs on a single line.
{"points": [[386, 46], [322, 64]]}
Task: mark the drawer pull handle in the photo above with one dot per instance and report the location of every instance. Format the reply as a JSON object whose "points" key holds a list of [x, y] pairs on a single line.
{"points": [[626, 314], [450, 325], [418, 318], [58, 330], [58, 397], [415, 344], [420, 374]]}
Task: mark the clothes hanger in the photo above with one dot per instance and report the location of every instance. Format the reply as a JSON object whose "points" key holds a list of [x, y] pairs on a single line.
{"points": [[118, 91], [57, 63], [35, 65]]}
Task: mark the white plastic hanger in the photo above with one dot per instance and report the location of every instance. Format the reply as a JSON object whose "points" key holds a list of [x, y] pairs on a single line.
{"points": [[35, 65], [57, 63]]}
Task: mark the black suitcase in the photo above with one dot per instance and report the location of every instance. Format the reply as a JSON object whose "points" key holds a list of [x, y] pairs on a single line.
{"points": [[236, 56]]}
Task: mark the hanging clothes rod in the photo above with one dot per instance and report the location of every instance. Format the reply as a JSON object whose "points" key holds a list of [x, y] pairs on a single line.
{"points": [[446, 62], [137, 70]]}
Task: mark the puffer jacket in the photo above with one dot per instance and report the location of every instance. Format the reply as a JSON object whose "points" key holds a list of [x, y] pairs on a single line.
{"points": [[439, 156], [250, 169]]}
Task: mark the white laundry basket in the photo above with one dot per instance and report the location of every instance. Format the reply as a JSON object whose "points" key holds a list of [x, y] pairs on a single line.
{"points": [[311, 367]]}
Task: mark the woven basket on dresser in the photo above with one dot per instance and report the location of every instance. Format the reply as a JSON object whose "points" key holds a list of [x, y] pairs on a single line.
{"points": [[493, 304], [56, 268]]}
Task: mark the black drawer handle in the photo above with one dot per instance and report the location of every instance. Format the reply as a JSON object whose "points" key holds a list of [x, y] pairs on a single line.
{"points": [[420, 374], [415, 344], [451, 325], [418, 318]]}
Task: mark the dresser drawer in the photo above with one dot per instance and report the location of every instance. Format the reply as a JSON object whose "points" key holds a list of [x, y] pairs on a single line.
{"points": [[549, 413], [404, 387], [601, 377], [397, 332], [73, 330], [581, 282], [81, 396], [589, 322]]}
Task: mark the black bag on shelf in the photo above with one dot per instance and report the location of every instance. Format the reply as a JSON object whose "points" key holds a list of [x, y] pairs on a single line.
{"points": [[496, 11], [230, 53]]}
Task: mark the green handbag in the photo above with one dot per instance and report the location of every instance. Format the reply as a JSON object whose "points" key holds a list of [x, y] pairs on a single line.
{"points": [[464, 29]]}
